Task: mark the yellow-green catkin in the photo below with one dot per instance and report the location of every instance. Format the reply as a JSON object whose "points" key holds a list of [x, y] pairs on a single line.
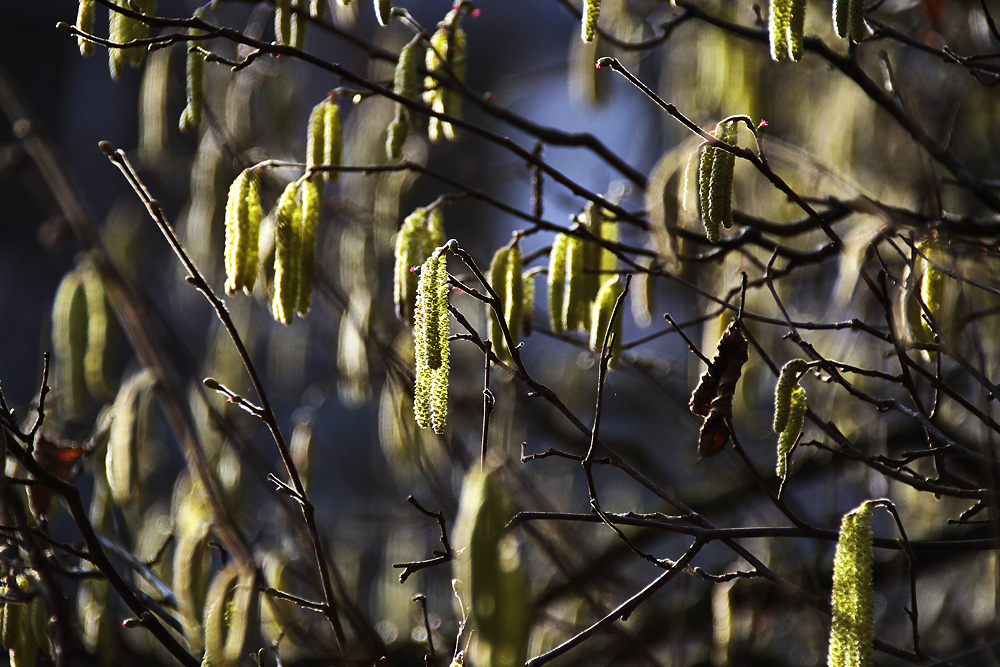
{"points": [[430, 338], [406, 82], [786, 28], [85, 23], [317, 9], [300, 24], [708, 155], [217, 619], [287, 252], [593, 218], [311, 194], [123, 29], [591, 13], [139, 30], [556, 283], [721, 196], [406, 78], [118, 32], [195, 84], [69, 343], [576, 303], [283, 22], [498, 281], [849, 19], [18, 616], [642, 297], [421, 233], [715, 182], [409, 248], [383, 12], [98, 323], [447, 42], [127, 439], [513, 307], [325, 137], [243, 212], [395, 137], [601, 322], [791, 430], [788, 379], [796, 29], [493, 586], [932, 282], [852, 631]]}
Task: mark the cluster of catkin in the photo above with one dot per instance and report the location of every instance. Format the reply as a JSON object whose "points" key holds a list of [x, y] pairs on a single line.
{"points": [[296, 217], [444, 58], [516, 291], [291, 19], [715, 180], [789, 411], [787, 25], [582, 290], [24, 618]]}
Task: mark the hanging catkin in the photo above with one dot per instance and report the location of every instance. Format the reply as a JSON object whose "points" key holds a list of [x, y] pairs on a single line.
{"points": [[852, 630], [243, 214], [287, 251]]}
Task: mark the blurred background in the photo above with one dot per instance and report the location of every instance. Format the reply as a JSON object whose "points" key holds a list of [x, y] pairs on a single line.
{"points": [[338, 378]]}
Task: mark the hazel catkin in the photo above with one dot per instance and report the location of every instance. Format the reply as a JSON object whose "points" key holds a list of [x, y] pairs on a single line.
{"points": [[243, 213]]}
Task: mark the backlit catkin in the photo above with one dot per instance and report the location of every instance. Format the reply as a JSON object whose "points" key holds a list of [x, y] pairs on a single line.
{"points": [[715, 181], [243, 212], [852, 630], [601, 322], [287, 250], [431, 330], [557, 283], [447, 46], [311, 198]]}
